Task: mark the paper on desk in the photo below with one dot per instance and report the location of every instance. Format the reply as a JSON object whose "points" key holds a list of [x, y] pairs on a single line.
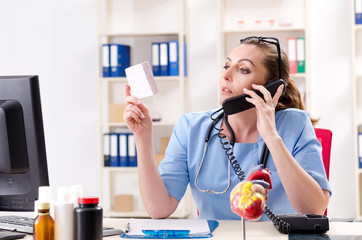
{"points": [[141, 80], [196, 226]]}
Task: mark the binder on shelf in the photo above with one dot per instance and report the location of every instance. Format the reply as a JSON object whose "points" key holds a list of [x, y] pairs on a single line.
{"points": [[301, 55], [360, 146], [173, 58], [123, 149], [113, 158], [155, 54], [292, 54], [119, 59], [358, 11], [132, 157], [106, 149], [185, 60], [164, 59], [106, 69]]}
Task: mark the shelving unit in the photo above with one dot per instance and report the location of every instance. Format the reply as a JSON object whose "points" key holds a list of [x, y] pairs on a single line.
{"points": [[139, 23], [242, 18], [356, 54]]}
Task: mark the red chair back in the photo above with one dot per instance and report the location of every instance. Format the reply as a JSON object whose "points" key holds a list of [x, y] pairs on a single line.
{"points": [[324, 136]]}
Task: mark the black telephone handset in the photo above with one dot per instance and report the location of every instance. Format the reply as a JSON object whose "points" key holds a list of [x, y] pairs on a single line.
{"points": [[238, 103]]}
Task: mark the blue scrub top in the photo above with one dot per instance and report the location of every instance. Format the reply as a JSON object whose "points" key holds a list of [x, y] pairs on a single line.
{"points": [[185, 150]]}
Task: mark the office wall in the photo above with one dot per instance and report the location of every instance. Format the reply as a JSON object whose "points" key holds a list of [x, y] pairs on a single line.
{"points": [[57, 40], [332, 96]]}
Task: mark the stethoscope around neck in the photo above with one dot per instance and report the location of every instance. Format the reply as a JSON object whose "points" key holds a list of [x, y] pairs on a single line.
{"points": [[229, 153]]}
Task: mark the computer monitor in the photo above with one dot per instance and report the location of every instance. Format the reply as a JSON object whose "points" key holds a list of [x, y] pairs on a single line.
{"points": [[23, 163]]}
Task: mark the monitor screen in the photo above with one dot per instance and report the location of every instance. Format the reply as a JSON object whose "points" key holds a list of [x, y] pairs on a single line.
{"points": [[23, 164]]}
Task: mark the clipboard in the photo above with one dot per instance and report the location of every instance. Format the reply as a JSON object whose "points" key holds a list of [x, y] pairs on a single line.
{"points": [[172, 233]]}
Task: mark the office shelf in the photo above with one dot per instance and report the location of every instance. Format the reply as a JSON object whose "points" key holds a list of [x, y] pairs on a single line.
{"points": [[138, 24], [124, 80], [265, 29], [123, 125], [139, 34]]}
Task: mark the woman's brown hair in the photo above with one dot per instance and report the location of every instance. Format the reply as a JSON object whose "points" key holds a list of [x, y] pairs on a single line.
{"points": [[292, 97]]}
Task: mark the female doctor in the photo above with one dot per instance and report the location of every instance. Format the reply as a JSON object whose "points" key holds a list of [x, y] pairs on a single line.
{"points": [[299, 182]]}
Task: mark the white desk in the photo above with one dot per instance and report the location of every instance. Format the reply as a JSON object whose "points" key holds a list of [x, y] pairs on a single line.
{"points": [[230, 230]]}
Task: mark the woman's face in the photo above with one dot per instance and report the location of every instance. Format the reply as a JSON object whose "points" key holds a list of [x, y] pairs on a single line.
{"points": [[243, 67]]}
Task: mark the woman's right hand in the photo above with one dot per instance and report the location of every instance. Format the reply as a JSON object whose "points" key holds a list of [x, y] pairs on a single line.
{"points": [[136, 115]]}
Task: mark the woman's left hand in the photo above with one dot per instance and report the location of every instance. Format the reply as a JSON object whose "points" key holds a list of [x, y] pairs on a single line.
{"points": [[265, 109]]}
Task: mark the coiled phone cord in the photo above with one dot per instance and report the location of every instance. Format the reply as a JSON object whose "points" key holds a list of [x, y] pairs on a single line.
{"points": [[229, 152], [227, 146], [281, 225]]}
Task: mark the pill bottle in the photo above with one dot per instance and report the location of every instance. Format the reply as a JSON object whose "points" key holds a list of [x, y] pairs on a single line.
{"points": [[88, 218], [43, 227], [44, 195], [63, 215]]}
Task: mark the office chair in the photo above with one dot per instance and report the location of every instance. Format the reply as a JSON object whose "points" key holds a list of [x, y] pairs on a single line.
{"points": [[324, 136]]}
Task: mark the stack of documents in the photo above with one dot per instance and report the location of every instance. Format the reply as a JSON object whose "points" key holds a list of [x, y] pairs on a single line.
{"points": [[169, 228]]}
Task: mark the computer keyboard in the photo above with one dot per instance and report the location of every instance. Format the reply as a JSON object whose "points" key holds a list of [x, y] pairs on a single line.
{"points": [[25, 225]]}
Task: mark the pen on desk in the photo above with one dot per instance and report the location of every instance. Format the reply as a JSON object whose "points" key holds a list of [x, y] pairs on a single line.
{"points": [[166, 233], [127, 228]]}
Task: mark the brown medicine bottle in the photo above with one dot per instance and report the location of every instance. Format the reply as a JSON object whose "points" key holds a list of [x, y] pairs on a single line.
{"points": [[43, 223]]}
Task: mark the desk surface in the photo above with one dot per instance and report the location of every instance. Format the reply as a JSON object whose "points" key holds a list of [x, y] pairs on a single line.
{"points": [[254, 230]]}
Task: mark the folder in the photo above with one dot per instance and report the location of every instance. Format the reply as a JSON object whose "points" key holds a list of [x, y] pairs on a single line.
{"points": [[155, 54], [360, 146], [132, 157], [173, 58], [301, 55], [119, 59], [170, 228], [358, 11], [113, 157], [106, 149], [164, 59], [292, 54], [123, 148], [185, 59], [106, 69]]}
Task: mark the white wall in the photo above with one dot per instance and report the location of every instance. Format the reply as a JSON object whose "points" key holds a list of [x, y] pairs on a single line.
{"points": [[332, 96], [57, 41]]}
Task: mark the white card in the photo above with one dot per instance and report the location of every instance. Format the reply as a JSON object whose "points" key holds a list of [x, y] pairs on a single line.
{"points": [[141, 80]]}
